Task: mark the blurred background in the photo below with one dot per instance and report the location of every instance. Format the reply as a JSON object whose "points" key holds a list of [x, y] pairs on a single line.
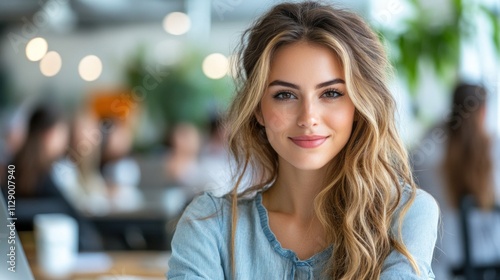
{"points": [[110, 110]]}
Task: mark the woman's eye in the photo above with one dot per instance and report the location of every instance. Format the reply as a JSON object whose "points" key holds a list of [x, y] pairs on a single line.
{"points": [[332, 94], [284, 95]]}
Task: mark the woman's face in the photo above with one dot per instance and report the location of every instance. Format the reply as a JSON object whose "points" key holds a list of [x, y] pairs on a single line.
{"points": [[56, 140], [307, 113]]}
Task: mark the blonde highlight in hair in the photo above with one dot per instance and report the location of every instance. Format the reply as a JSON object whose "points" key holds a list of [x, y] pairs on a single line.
{"points": [[359, 202]]}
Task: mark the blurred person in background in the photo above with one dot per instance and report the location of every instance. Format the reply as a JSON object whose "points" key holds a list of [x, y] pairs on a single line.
{"points": [[119, 170], [36, 190], [46, 141], [459, 158], [216, 164], [200, 166], [182, 160], [78, 174]]}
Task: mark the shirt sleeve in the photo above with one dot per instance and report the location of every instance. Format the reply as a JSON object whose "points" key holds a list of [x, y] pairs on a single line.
{"points": [[419, 232], [197, 242]]}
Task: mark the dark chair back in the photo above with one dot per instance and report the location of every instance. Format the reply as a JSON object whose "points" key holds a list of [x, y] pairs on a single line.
{"points": [[470, 271]]}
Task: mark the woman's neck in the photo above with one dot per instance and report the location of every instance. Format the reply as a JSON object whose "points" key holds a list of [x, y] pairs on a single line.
{"points": [[294, 191]]}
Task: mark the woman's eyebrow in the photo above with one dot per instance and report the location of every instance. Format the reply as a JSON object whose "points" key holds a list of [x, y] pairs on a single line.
{"points": [[283, 83], [294, 86], [332, 82]]}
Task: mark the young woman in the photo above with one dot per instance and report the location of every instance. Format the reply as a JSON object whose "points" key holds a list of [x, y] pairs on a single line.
{"points": [[332, 196]]}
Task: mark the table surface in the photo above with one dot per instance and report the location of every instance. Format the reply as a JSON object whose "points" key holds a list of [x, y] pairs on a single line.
{"points": [[109, 265]]}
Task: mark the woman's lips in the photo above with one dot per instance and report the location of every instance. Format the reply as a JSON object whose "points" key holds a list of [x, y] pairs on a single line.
{"points": [[308, 141]]}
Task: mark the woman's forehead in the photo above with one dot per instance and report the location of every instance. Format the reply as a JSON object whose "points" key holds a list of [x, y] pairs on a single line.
{"points": [[307, 62]]}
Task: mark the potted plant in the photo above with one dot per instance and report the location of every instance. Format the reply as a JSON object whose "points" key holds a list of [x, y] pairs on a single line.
{"points": [[436, 41]]}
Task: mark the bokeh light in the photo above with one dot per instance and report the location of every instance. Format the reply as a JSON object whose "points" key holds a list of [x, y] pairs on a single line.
{"points": [[176, 23], [90, 68], [36, 49], [51, 64], [215, 66]]}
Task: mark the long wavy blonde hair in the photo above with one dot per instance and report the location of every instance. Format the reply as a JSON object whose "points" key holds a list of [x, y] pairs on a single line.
{"points": [[366, 181]]}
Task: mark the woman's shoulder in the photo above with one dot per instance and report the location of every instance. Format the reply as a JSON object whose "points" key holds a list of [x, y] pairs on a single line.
{"points": [[204, 204], [422, 197], [423, 206], [424, 200], [418, 232]]}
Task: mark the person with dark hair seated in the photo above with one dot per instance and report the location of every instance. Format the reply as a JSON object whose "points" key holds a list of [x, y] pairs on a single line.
{"points": [[36, 191]]}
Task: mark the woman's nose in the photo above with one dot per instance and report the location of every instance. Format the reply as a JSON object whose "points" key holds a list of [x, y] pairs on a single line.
{"points": [[307, 115]]}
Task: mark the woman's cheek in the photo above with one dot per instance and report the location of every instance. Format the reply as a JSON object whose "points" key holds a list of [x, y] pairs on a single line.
{"points": [[278, 119]]}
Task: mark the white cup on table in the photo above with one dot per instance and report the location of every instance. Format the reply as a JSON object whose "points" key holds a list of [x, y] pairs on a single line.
{"points": [[57, 243]]}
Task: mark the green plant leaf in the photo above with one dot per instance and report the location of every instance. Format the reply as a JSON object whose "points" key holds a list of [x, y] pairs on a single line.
{"points": [[494, 20]]}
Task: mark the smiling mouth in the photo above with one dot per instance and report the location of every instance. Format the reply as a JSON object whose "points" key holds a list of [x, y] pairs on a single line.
{"points": [[308, 141]]}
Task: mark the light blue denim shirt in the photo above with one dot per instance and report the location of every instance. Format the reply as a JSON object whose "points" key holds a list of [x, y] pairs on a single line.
{"points": [[200, 246]]}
